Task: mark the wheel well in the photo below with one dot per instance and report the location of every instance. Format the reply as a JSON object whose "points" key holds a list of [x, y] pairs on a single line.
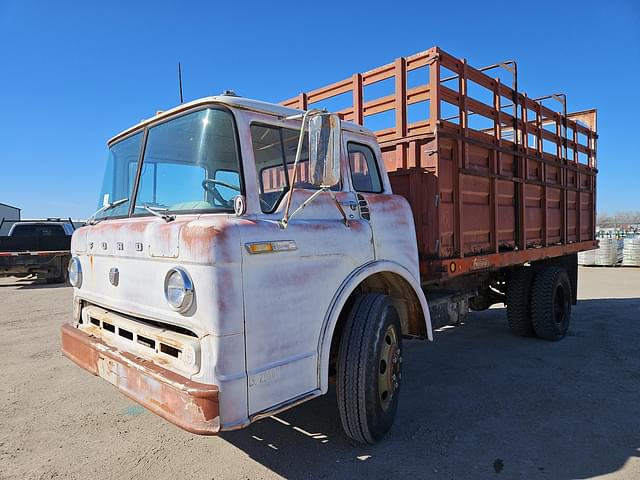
{"points": [[404, 299]]}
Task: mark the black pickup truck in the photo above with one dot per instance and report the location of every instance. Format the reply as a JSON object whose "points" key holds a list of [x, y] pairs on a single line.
{"points": [[37, 248]]}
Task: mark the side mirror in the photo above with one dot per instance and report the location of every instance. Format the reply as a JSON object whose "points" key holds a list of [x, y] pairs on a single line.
{"points": [[324, 149], [324, 159], [239, 205]]}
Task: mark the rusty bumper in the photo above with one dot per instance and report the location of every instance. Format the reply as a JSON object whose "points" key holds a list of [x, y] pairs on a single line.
{"points": [[190, 405]]}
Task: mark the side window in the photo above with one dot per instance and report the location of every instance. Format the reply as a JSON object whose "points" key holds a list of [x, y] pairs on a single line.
{"points": [[364, 169], [274, 149], [290, 140], [268, 152]]}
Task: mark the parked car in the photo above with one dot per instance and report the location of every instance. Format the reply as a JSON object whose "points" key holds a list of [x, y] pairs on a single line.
{"points": [[41, 249]]}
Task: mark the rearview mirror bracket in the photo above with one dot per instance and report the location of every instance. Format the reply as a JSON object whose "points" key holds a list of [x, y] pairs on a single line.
{"points": [[285, 220], [328, 144]]}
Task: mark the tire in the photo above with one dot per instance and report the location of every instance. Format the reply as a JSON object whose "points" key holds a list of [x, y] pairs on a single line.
{"points": [[519, 302], [551, 303], [62, 278], [479, 303], [369, 368]]}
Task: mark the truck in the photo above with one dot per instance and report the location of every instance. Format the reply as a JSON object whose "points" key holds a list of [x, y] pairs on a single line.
{"points": [[37, 248], [247, 255]]}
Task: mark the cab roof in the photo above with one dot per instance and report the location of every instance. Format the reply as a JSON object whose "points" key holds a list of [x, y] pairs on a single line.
{"points": [[236, 102]]}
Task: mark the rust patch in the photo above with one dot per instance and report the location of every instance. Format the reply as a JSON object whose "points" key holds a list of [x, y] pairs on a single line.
{"points": [[190, 405], [209, 241], [197, 242]]}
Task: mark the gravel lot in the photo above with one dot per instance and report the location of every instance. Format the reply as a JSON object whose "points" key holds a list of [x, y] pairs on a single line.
{"points": [[476, 403]]}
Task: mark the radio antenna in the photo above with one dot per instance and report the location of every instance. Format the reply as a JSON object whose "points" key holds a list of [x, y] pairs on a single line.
{"points": [[180, 81]]}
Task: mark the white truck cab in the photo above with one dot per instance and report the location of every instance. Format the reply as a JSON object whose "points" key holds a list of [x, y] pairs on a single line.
{"points": [[214, 293]]}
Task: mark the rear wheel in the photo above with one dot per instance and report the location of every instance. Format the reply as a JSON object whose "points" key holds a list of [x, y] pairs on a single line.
{"points": [[551, 303], [369, 368], [519, 301]]}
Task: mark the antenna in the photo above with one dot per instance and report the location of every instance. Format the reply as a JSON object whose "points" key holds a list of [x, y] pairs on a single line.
{"points": [[180, 81]]}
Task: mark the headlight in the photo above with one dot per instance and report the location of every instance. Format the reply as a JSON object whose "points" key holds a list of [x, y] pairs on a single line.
{"points": [[75, 272], [178, 289]]}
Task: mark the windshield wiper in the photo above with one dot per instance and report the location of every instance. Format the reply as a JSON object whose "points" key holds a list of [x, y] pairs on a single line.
{"points": [[104, 208], [156, 211]]}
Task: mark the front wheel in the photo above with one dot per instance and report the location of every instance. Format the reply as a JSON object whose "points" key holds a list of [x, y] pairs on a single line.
{"points": [[369, 368]]}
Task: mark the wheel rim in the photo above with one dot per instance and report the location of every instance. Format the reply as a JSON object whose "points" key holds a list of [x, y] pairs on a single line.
{"points": [[560, 305], [389, 367]]}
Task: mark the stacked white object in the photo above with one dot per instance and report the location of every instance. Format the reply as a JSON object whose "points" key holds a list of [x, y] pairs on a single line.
{"points": [[631, 252], [587, 258], [609, 253]]}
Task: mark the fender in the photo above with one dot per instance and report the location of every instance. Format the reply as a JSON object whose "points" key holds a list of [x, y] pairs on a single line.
{"points": [[344, 291]]}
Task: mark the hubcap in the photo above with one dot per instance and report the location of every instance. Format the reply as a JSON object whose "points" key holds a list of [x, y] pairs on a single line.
{"points": [[389, 373]]}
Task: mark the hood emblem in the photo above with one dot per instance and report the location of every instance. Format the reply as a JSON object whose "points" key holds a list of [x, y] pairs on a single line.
{"points": [[114, 276]]}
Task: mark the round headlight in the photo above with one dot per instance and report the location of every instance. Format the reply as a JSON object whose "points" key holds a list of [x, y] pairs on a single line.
{"points": [[75, 272], [178, 289]]}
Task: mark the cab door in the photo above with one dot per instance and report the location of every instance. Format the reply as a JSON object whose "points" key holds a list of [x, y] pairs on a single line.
{"points": [[290, 277]]}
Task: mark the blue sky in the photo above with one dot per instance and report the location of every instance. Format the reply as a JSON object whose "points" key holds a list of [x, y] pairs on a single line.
{"points": [[75, 73]]}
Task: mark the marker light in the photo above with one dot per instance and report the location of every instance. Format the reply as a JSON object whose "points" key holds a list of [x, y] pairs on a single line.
{"points": [[268, 247]]}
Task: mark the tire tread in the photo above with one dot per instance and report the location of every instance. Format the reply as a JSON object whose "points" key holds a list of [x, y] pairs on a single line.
{"points": [[519, 302], [542, 298], [353, 358]]}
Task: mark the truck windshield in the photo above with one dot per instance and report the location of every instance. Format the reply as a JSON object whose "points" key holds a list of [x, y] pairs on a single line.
{"points": [[120, 176], [190, 163]]}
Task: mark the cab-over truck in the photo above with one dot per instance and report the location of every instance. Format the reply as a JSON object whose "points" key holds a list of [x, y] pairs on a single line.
{"points": [[246, 254]]}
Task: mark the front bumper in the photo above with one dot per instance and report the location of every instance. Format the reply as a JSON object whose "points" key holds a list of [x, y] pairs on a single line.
{"points": [[190, 405]]}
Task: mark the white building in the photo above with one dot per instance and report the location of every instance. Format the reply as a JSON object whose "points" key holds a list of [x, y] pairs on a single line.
{"points": [[8, 215]]}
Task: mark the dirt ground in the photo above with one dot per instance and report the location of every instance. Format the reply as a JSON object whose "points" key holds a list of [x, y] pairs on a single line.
{"points": [[476, 403]]}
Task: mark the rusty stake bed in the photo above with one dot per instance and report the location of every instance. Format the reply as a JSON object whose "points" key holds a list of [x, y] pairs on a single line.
{"points": [[498, 175], [243, 253]]}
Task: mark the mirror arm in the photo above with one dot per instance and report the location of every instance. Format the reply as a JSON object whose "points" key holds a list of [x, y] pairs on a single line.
{"points": [[339, 207], [305, 116], [285, 221]]}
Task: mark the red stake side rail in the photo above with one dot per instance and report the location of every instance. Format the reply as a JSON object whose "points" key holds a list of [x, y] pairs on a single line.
{"points": [[494, 178]]}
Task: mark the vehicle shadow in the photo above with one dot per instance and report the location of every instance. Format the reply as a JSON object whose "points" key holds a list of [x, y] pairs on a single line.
{"points": [[28, 283], [479, 402]]}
